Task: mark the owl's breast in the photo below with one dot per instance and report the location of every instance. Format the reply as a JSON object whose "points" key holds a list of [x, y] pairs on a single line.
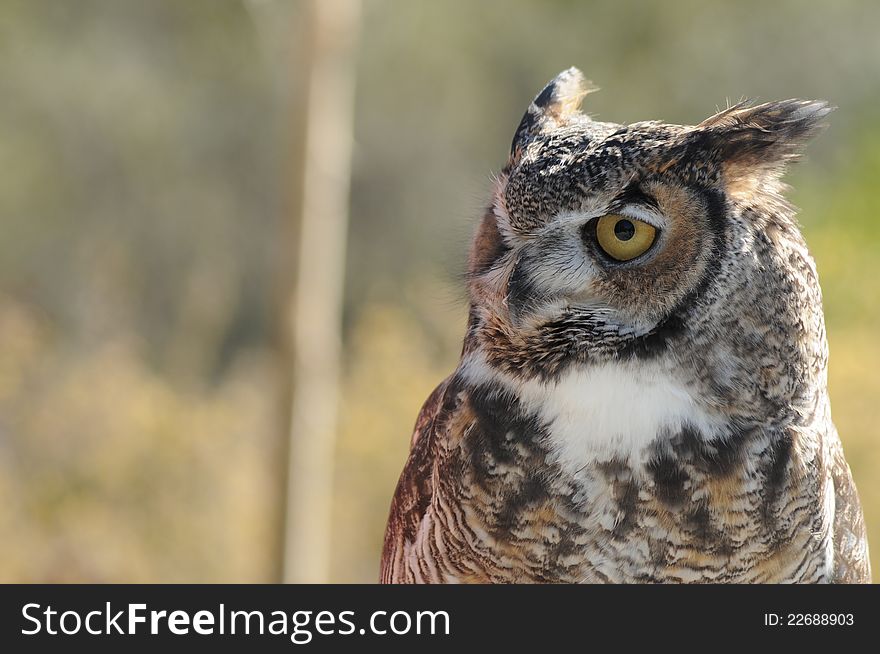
{"points": [[620, 474]]}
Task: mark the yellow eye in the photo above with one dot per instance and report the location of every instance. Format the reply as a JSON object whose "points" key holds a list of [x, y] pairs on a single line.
{"points": [[624, 238]]}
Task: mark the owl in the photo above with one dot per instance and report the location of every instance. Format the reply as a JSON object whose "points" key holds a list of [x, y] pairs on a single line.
{"points": [[641, 395]]}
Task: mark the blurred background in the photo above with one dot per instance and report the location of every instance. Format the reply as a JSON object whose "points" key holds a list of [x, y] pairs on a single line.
{"points": [[160, 283]]}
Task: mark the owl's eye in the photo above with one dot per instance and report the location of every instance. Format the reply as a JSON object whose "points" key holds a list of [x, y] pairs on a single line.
{"points": [[624, 238]]}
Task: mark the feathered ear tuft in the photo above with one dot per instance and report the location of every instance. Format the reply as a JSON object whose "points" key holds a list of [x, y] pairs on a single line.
{"points": [[559, 100], [756, 140]]}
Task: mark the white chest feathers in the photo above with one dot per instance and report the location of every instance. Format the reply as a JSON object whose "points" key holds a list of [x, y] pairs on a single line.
{"points": [[611, 411]]}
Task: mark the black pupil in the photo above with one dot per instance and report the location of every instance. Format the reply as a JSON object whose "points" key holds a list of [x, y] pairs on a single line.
{"points": [[624, 230]]}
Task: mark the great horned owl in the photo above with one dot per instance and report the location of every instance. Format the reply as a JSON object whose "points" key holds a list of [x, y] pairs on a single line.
{"points": [[642, 392]]}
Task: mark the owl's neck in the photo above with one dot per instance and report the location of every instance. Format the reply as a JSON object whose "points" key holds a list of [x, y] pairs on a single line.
{"points": [[611, 411]]}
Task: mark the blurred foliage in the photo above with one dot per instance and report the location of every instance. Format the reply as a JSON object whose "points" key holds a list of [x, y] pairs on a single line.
{"points": [[107, 473], [142, 148]]}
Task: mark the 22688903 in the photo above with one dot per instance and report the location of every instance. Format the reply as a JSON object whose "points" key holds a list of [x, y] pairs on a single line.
{"points": [[809, 619]]}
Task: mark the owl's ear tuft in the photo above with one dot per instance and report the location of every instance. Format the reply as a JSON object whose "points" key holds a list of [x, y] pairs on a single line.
{"points": [[559, 100], [752, 141]]}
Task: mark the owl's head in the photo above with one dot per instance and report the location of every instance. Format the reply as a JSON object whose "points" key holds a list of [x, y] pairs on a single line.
{"points": [[605, 240]]}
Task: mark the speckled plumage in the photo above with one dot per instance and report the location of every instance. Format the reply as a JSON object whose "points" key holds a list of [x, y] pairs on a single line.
{"points": [[664, 419]]}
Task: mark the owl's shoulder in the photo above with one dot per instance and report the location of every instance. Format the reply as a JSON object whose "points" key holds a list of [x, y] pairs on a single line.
{"points": [[415, 487], [851, 562]]}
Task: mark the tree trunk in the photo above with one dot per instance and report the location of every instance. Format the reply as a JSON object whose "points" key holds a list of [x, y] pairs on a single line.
{"points": [[320, 170]]}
